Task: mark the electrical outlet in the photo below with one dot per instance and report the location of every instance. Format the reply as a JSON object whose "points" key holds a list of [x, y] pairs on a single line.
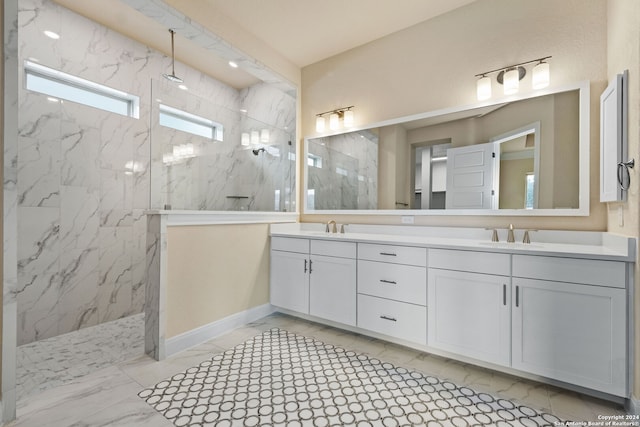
{"points": [[407, 219], [620, 216]]}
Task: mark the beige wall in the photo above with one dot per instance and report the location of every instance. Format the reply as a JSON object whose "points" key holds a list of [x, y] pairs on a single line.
{"points": [[213, 272], [512, 182], [432, 65], [623, 41]]}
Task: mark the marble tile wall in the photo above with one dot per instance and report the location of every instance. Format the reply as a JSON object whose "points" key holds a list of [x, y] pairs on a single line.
{"points": [[347, 177], [81, 242]]}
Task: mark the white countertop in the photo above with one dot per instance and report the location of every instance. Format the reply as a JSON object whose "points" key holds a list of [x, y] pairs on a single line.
{"points": [[571, 244]]}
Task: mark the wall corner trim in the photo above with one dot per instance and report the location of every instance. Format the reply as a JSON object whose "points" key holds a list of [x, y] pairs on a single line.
{"points": [[212, 330], [633, 406]]}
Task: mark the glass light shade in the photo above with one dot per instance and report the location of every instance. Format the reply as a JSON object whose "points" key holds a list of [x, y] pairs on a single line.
{"points": [[245, 139], [255, 137], [348, 118], [540, 78], [511, 81], [334, 121], [264, 135], [319, 124], [484, 88]]}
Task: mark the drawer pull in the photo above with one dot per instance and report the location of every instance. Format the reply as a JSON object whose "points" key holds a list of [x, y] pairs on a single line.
{"points": [[305, 265], [388, 254], [504, 294], [391, 282], [388, 318], [310, 270], [517, 296]]}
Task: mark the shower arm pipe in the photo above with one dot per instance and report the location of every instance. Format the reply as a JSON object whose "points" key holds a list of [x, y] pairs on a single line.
{"points": [[173, 55]]}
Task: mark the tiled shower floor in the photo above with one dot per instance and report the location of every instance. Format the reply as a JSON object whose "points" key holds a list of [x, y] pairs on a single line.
{"points": [[49, 363], [109, 395]]}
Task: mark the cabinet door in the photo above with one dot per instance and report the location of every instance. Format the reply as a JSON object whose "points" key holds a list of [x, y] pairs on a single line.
{"points": [[470, 314], [332, 289], [290, 281], [570, 332]]}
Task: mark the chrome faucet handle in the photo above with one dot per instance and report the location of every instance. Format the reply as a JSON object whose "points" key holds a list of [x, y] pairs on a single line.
{"points": [[342, 228], [326, 228], [510, 237], [494, 235], [525, 238]]}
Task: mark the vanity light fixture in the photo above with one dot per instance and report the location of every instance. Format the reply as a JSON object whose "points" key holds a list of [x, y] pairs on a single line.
{"points": [[540, 77], [510, 77], [484, 88], [345, 113]]}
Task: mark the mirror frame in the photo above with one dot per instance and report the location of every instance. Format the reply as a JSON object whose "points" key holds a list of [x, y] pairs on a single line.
{"points": [[583, 161]]}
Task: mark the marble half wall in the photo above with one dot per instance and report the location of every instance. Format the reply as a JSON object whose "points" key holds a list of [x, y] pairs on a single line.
{"points": [[85, 177]]}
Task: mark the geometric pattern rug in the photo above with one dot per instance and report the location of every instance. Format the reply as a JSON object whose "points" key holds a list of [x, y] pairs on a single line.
{"points": [[279, 378]]}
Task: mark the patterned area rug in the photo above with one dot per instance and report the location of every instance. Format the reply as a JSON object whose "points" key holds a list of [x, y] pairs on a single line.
{"points": [[280, 378]]}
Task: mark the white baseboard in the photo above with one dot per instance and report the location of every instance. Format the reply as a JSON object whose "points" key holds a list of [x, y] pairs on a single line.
{"points": [[204, 333], [633, 406]]}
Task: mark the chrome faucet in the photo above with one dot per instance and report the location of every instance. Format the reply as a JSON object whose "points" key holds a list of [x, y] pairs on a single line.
{"points": [[510, 237], [333, 229]]}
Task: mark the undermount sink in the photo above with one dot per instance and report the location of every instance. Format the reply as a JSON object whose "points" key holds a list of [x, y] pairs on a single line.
{"points": [[507, 245]]}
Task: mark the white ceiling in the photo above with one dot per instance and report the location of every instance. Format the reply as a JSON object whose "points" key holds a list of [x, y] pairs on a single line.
{"points": [[302, 31], [308, 31]]}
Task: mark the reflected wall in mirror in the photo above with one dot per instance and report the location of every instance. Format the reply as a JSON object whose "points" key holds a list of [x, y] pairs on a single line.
{"points": [[528, 156]]}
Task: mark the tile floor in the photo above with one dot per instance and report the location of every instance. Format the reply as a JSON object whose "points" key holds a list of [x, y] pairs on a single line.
{"points": [[109, 396]]}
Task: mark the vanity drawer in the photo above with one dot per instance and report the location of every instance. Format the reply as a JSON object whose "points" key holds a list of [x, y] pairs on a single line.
{"points": [[406, 283], [290, 244], [475, 262], [333, 248], [394, 254], [397, 319], [590, 272]]}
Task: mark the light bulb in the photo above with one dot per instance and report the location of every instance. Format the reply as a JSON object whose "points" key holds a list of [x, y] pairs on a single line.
{"points": [[264, 135], [484, 88], [348, 118], [244, 139], [319, 124], [511, 81], [540, 78], [334, 121]]}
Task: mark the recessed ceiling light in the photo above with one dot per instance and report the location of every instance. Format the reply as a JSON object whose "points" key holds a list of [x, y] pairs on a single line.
{"points": [[242, 110], [183, 87], [233, 64], [51, 35]]}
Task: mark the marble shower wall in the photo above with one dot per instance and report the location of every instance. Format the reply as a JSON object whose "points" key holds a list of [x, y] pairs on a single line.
{"points": [[225, 175], [85, 175], [345, 174]]}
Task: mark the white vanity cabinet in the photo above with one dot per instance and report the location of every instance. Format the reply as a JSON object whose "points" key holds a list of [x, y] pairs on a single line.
{"points": [[332, 281], [569, 321], [289, 274], [469, 295], [316, 277], [392, 291]]}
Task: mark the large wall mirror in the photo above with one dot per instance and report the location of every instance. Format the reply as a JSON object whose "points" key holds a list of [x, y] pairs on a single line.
{"points": [[524, 156]]}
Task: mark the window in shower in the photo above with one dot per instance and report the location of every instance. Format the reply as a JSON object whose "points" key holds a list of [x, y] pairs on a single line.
{"points": [[58, 85], [187, 122]]}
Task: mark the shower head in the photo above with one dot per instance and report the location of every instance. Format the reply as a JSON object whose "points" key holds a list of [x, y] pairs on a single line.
{"points": [[172, 77], [257, 151]]}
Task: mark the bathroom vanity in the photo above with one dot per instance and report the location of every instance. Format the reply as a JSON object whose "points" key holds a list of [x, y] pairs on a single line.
{"points": [[556, 310]]}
